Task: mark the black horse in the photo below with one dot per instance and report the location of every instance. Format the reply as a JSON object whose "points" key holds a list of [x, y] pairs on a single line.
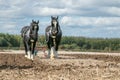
{"points": [[30, 36], [53, 35]]}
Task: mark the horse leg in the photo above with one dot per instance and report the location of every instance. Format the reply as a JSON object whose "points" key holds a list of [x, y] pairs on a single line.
{"points": [[53, 44], [32, 49], [25, 49], [56, 51], [48, 50], [56, 48], [52, 52], [28, 50]]}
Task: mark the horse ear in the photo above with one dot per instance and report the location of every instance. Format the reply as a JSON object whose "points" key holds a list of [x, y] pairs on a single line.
{"points": [[32, 20], [37, 21], [57, 17], [51, 17]]}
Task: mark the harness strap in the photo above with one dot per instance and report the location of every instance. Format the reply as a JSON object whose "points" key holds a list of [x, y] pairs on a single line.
{"points": [[54, 37], [54, 41]]}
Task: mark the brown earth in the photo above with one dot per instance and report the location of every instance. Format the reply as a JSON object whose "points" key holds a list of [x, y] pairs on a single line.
{"points": [[67, 67]]}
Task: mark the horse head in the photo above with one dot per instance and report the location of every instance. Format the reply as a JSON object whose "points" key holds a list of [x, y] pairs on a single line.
{"points": [[34, 29], [54, 24]]}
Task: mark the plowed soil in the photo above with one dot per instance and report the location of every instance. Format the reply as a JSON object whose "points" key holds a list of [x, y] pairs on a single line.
{"points": [[66, 67]]}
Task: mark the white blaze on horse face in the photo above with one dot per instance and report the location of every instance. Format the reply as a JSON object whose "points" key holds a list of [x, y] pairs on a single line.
{"points": [[35, 30], [35, 27], [55, 23]]}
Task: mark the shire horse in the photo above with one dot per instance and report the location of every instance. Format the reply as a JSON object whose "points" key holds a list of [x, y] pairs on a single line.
{"points": [[53, 36], [30, 35]]}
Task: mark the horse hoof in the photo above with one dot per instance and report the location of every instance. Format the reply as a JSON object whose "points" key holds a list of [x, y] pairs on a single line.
{"points": [[26, 56], [29, 57], [32, 56], [52, 58]]}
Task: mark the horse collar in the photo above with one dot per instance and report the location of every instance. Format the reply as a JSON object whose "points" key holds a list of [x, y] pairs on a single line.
{"points": [[32, 40], [54, 37]]}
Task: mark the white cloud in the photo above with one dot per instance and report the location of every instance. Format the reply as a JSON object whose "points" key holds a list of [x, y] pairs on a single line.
{"points": [[91, 21], [92, 26], [7, 26], [20, 8], [92, 15], [46, 11], [112, 10]]}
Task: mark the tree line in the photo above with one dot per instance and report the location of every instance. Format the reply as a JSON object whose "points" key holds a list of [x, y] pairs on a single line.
{"points": [[67, 43], [91, 44]]}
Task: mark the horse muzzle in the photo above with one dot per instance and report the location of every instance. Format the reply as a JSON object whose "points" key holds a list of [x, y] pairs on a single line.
{"points": [[54, 32]]}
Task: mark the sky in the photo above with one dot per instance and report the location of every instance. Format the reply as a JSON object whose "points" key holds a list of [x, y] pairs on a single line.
{"points": [[87, 18]]}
